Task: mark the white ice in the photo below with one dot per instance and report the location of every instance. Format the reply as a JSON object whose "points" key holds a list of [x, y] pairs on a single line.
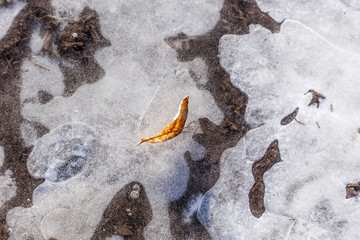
{"points": [[7, 184], [305, 194], [337, 20]]}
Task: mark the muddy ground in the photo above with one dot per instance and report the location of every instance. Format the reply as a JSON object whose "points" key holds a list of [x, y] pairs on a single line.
{"points": [[235, 18]]}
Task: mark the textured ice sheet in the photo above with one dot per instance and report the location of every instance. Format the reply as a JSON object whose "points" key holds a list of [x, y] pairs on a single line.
{"points": [[7, 187], [337, 20], [138, 96], [1, 156], [305, 194], [225, 211], [7, 184]]}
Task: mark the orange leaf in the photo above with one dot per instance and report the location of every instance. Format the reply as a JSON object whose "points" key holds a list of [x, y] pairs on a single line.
{"points": [[174, 128]]}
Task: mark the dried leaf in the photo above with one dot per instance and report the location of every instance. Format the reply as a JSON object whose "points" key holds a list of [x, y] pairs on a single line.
{"points": [[352, 189], [288, 119], [315, 97], [124, 230], [174, 128]]}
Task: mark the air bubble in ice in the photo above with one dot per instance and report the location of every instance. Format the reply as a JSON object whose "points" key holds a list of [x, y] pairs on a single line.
{"points": [[62, 153], [134, 195]]}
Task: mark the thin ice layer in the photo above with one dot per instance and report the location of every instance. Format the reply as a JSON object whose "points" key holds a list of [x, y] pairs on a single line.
{"points": [[337, 20], [225, 210], [318, 159], [137, 97], [7, 184]]}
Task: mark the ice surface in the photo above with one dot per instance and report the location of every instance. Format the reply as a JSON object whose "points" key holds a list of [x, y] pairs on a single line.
{"points": [[305, 194], [1, 156], [7, 184], [337, 20], [138, 96], [7, 187]]}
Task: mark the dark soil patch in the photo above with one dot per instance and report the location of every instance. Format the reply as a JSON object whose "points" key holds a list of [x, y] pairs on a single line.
{"points": [[235, 18], [127, 214], [44, 97], [78, 43], [257, 192]]}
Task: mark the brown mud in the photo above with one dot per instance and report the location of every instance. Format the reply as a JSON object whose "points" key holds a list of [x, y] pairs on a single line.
{"points": [[235, 18], [127, 214], [259, 168]]}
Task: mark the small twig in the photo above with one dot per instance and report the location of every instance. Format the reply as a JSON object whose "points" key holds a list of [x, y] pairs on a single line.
{"points": [[331, 108], [192, 131], [8, 65], [190, 124], [318, 124], [299, 121], [39, 66], [197, 127], [59, 18]]}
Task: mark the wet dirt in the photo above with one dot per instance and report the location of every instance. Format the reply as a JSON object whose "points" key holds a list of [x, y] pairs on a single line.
{"points": [[259, 168], [126, 215]]}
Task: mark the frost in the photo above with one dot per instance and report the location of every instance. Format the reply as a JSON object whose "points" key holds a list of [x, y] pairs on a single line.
{"points": [[304, 194]]}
